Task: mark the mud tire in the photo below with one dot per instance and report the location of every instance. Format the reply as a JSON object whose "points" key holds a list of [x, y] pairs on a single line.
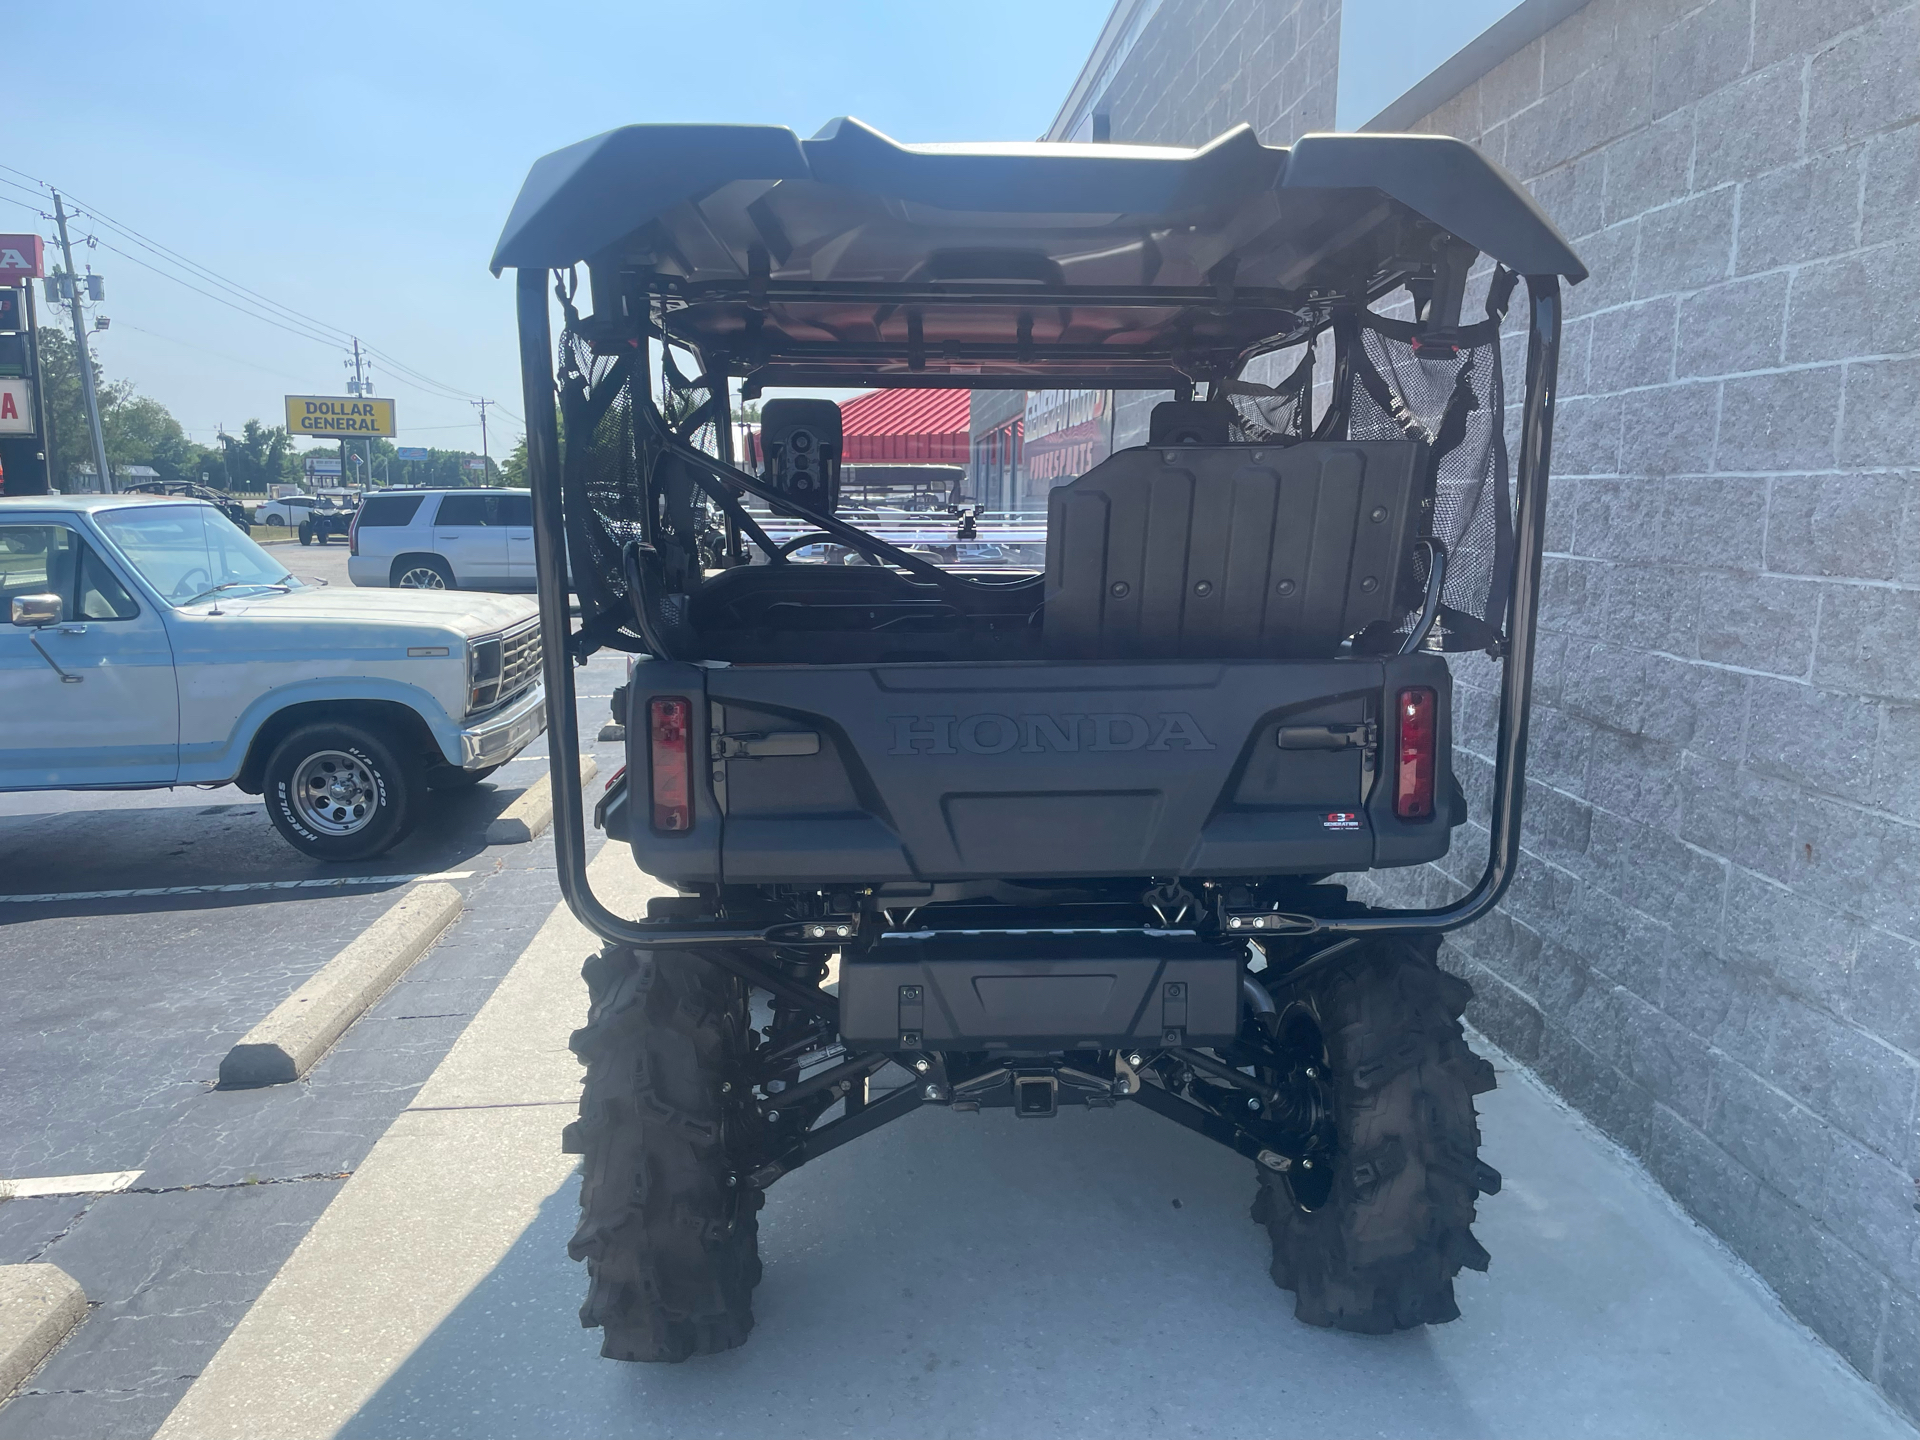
{"points": [[1381, 1251], [671, 1243]]}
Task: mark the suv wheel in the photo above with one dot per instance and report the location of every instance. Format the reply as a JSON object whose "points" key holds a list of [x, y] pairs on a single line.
{"points": [[671, 1239], [341, 792], [421, 572], [1371, 1240]]}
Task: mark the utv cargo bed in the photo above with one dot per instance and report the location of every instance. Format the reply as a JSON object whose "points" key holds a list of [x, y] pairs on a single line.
{"points": [[815, 773]]}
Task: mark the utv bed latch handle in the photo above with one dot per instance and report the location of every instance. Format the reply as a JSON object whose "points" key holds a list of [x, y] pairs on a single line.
{"points": [[1325, 737], [761, 747]]}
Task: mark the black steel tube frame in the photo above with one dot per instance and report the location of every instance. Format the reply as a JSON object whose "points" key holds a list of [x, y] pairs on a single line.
{"points": [[1201, 1122], [563, 741], [563, 735], [856, 1122]]}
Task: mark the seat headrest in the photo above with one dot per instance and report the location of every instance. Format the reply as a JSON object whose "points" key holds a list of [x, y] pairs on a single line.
{"points": [[1190, 422]]}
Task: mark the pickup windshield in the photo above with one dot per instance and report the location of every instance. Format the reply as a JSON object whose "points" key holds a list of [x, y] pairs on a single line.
{"points": [[187, 552]]}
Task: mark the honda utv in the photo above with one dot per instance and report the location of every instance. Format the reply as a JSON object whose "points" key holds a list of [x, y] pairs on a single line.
{"points": [[1061, 836]]}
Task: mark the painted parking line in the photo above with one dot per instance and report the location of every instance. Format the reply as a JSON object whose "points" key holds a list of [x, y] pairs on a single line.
{"points": [[103, 1184], [327, 882]]}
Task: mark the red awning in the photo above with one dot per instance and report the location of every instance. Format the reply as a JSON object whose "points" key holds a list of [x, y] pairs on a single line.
{"points": [[905, 427]]}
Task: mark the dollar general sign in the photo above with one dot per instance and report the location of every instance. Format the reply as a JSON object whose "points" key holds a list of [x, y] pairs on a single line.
{"points": [[334, 417]]}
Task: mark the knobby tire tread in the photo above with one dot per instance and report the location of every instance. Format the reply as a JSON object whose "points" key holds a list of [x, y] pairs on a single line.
{"points": [[672, 1249], [1382, 1252]]}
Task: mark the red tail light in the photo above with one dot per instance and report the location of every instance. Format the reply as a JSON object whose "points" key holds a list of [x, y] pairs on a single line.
{"points": [[669, 717], [1413, 785]]}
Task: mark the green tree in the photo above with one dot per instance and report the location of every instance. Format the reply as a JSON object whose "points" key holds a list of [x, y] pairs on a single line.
{"points": [[257, 458], [513, 470], [66, 407], [141, 431]]}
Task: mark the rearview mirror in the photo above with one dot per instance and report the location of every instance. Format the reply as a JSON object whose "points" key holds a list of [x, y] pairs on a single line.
{"points": [[36, 610]]}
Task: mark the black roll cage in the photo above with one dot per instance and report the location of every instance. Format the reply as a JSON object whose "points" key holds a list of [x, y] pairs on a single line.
{"points": [[729, 944]]}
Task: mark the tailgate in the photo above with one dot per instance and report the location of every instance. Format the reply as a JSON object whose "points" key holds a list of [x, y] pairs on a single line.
{"points": [[952, 772]]}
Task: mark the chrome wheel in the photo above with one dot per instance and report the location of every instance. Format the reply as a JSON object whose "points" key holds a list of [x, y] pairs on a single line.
{"points": [[335, 792], [422, 577]]}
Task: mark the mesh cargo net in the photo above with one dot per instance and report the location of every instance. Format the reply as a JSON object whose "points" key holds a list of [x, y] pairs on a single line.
{"points": [[599, 476], [1273, 414], [603, 459], [1447, 393]]}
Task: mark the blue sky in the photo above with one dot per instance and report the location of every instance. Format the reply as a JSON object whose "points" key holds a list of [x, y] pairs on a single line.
{"points": [[355, 161]]}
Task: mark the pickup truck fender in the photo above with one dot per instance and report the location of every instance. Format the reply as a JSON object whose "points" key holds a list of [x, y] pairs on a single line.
{"points": [[219, 761]]}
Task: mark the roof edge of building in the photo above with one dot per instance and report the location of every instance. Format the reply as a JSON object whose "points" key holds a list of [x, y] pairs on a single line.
{"points": [[1506, 37]]}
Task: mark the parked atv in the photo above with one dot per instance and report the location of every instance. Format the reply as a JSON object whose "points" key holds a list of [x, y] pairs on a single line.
{"points": [[330, 517], [1067, 831]]}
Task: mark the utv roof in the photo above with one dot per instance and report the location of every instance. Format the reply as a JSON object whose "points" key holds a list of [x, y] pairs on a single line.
{"points": [[798, 255]]}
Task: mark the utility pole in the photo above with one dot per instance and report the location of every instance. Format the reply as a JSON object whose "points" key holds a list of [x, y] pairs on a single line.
{"points": [[486, 466], [84, 356], [359, 385]]}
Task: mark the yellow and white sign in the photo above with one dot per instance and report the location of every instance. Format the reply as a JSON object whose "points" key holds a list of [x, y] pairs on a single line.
{"points": [[339, 417]]}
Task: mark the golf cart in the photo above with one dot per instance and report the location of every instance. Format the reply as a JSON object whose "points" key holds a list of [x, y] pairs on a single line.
{"points": [[971, 837]]}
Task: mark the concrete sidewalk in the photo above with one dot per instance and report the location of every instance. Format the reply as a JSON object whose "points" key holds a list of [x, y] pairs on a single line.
{"points": [[978, 1275]]}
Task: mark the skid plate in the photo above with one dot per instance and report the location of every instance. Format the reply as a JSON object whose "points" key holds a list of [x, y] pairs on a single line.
{"points": [[1035, 991]]}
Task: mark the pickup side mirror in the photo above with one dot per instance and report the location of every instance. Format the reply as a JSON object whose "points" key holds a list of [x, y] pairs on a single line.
{"points": [[36, 610]]}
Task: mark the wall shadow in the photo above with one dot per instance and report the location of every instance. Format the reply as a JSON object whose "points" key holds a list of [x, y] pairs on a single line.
{"points": [[952, 1275]]}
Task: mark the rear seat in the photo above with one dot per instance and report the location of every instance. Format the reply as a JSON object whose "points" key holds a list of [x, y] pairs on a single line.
{"points": [[1231, 551]]}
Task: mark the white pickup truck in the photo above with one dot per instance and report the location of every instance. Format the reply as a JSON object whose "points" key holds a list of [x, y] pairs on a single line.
{"points": [[152, 644]]}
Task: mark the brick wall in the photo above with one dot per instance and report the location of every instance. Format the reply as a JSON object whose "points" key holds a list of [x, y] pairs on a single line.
{"points": [[1712, 949], [1203, 66], [1713, 945]]}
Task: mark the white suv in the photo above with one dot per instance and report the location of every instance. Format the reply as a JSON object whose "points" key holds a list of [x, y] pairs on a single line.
{"points": [[443, 540]]}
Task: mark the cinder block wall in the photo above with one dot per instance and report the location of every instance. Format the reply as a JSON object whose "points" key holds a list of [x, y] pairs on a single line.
{"points": [[1713, 948]]}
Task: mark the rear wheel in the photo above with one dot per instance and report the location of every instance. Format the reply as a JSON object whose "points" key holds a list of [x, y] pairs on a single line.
{"points": [[341, 792], [669, 1233], [1372, 1238], [421, 572]]}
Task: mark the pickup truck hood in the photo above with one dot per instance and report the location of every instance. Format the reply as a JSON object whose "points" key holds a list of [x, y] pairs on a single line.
{"points": [[469, 612]]}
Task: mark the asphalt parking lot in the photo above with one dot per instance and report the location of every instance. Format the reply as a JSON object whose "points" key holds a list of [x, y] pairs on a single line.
{"points": [[121, 1005], [314, 562]]}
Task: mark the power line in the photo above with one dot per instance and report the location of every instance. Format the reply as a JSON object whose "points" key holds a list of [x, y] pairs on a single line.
{"points": [[24, 205], [344, 337], [218, 299], [302, 324], [216, 354], [252, 314]]}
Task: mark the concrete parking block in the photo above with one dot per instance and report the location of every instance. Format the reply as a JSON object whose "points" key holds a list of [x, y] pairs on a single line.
{"points": [[38, 1187], [529, 816], [302, 1027], [39, 1307]]}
